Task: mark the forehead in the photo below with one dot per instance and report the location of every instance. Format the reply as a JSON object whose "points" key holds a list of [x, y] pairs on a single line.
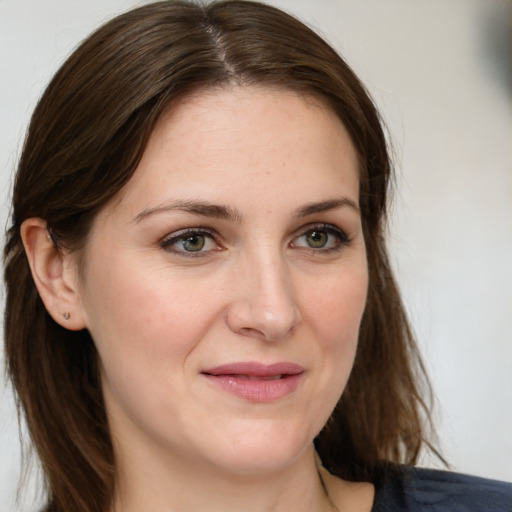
{"points": [[211, 142]]}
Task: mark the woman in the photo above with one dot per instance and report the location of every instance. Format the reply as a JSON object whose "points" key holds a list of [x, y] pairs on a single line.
{"points": [[200, 312]]}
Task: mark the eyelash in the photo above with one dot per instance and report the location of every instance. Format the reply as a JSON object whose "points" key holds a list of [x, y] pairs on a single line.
{"points": [[167, 243], [341, 237]]}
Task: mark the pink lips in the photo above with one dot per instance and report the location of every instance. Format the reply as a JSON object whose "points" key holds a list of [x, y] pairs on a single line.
{"points": [[257, 382]]}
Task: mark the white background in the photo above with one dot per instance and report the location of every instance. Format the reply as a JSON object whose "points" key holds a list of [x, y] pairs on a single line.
{"points": [[440, 71]]}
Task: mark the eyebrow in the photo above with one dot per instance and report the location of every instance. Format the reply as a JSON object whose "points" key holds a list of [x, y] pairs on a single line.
{"points": [[224, 212], [323, 206], [202, 209]]}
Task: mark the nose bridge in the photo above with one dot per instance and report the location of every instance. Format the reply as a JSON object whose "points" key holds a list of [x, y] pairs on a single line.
{"points": [[265, 302]]}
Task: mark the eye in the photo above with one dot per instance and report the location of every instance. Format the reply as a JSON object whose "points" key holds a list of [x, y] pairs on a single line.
{"points": [[323, 238], [316, 239], [190, 242]]}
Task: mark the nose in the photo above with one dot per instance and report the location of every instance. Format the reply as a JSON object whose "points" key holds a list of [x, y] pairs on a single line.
{"points": [[264, 300]]}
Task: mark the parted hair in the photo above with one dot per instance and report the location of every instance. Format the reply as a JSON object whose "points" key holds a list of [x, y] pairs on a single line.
{"points": [[84, 142]]}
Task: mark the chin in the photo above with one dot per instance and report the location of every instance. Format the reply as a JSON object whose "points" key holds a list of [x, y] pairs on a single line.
{"points": [[261, 450]]}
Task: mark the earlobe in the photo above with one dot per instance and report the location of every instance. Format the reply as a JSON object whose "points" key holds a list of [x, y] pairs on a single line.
{"points": [[54, 274]]}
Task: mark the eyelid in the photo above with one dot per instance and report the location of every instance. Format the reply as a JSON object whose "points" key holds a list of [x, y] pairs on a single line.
{"points": [[167, 242], [321, 225], [340, 234]]}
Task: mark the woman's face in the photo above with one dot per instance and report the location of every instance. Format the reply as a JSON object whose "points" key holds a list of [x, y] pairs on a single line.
{"points": [[224, 285]]}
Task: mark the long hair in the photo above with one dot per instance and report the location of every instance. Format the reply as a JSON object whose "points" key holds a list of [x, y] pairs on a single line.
{"points": [[85, 139]]}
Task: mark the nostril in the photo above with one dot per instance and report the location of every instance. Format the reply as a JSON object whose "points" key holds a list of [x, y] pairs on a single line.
{"points": [[250, 331]]}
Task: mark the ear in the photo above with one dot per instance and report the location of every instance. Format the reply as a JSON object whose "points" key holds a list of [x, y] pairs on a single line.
{"points": [[55, 274]]}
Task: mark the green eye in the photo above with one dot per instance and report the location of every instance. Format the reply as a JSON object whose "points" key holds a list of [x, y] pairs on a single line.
{"points": [[316, 238], [190, 242], [193, 243], [322, 239]]}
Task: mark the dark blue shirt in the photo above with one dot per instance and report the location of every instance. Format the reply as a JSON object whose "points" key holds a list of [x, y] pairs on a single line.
{"points": [[409, 489]]}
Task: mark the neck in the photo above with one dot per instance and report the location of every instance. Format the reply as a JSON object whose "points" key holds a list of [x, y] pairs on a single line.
{"points": [[164, 486]]}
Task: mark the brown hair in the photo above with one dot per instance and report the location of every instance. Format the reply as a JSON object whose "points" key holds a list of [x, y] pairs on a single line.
{"points": [[84, 142]]}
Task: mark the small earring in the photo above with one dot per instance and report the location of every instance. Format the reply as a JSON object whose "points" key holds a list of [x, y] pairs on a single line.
{"points": [[67, 316]]}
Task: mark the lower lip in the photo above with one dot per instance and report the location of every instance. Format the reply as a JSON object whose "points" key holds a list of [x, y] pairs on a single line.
{"points": [[257, 390]]}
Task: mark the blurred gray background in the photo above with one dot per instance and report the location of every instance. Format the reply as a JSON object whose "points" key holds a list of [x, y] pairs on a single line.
{"points": [[440, 71]]}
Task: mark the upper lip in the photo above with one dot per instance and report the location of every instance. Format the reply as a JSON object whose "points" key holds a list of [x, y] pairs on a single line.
{"points": [[255, 369]]}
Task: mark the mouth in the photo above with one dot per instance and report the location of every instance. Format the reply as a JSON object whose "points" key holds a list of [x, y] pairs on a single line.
{"points": [[256, 382], [254, 377]]}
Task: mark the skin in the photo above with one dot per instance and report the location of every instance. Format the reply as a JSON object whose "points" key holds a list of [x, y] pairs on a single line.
{"points": [[273, 282]]}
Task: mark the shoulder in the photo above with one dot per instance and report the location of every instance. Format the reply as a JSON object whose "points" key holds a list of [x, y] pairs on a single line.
{"points": [[409, 489]]}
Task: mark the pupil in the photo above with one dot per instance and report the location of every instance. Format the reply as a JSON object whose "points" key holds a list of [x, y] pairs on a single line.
{"points": [[193, 243], [317, 238]]}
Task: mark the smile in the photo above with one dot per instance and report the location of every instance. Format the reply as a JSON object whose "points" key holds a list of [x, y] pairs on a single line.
{"points": [[256, 382]]}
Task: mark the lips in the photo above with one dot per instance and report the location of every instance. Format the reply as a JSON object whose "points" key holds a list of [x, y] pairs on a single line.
{"points": [[254, 377], [256, 382]]}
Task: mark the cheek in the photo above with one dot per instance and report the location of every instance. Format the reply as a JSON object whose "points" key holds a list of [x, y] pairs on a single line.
{"points": [[336, 309], [152, 312], [148, 323], [145, 326], [335, 315]]}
